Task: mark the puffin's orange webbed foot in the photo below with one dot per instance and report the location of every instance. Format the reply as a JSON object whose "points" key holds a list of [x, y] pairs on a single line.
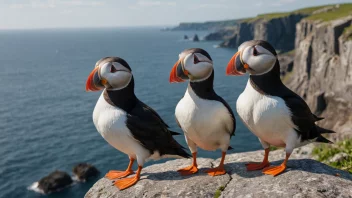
{"points": [[220, 170], [274, 170], [188, 170], [113, 174], [216, 171], [256, 166], [126, 182]]}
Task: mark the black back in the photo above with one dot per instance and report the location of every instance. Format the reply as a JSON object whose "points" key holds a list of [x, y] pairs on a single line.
{"points": [[205, 90], [144, 123]]}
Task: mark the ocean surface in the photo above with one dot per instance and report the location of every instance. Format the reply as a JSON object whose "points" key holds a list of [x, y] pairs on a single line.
{"points": [[46, 115]]}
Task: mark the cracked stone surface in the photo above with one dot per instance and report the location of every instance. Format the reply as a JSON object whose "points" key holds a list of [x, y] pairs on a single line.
{"points": [[303, 178]]}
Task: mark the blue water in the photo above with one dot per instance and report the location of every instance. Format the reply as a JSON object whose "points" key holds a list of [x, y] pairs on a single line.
{"points": [[46, 115]]}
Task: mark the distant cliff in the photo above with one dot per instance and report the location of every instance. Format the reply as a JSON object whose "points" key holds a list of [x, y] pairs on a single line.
{"points": [[277, 28], [322, 70], [210, 25], [280, 32]]}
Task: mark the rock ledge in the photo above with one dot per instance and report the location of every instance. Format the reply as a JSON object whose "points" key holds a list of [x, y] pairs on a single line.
{"points": [[304, 178]]}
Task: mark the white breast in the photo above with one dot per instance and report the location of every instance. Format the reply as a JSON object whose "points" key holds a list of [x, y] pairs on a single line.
{"points": [[267, 117], [207, 123], [110, 122]]}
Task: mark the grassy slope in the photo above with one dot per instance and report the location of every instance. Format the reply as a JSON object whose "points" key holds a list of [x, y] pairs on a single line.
{"points": [[325, 152], [348, 32], [343, 10]]}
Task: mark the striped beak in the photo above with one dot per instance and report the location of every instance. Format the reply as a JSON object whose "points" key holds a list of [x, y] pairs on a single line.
{"points": [[236, 67], [94, 82], [178, 73]]}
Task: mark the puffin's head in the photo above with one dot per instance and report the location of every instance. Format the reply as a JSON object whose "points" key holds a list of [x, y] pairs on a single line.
{"points": [[112, 73], [256, 57], [194, 64]]}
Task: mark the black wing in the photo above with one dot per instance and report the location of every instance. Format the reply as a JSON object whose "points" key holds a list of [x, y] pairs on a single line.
{"points": [[220, 99], [152, 132], [301, 116]]}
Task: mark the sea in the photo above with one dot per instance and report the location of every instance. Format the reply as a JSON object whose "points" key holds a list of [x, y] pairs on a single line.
{"points": [[46, 115]]}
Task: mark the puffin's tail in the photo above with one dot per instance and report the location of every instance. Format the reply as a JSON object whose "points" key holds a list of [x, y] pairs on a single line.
{"points": [[175, 150], [321, 138]]}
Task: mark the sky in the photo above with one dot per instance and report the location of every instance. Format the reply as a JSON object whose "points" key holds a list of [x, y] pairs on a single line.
{"points": [[34, 14]]}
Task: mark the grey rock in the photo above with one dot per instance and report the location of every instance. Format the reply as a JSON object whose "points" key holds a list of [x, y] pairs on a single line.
{"points": [[280, 32], [195, 38], [84, 171], [322, 72], [304, 178], [55, 181], [222, 34], [339, 157], [286, 63]]}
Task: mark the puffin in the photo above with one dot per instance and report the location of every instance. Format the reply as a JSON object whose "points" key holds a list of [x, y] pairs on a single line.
{"points": [[270, 110], [205, 118], [126, 123]]}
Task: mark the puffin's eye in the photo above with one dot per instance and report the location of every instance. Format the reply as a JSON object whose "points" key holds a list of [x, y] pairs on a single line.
{"points": [[255, 52], [196, 60], [113, 69]]}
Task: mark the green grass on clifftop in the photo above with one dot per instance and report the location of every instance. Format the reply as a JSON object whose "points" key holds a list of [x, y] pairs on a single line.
{"points": [[325, 153], [348, 32], [342, 11]]}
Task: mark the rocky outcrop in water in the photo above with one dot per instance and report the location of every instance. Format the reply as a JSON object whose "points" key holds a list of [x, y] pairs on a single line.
{"points": [[280, 32], [84, 171], [195, 38], [322, 71], [55, 181], [304, 178]]}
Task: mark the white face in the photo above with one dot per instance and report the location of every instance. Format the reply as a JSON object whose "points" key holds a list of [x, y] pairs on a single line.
{"points": [[199, 67], [116, 75], [259, 59]]}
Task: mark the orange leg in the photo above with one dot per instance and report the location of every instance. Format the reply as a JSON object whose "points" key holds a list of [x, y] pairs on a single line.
{"points": [[220, 170], [128, 182], [113, 174], [259, 166], [190, 169], [276, 170]]}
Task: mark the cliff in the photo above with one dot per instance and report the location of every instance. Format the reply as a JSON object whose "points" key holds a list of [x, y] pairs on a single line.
{"points": [[209, 25], [279, 31], [304, 178], [322, 70]]}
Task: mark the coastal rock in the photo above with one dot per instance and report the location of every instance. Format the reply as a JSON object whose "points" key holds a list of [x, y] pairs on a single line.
{"points": [[55, 181], [221, 34], [304, 178], [286, 62], [185, 37], [84, 171], [195, 38], [339, 157], [280, 32], [322, 72]]}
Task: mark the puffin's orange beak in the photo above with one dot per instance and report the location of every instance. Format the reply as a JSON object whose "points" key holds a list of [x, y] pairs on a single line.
{"points": [[178, 74], [236, 67], [93, 82]]}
